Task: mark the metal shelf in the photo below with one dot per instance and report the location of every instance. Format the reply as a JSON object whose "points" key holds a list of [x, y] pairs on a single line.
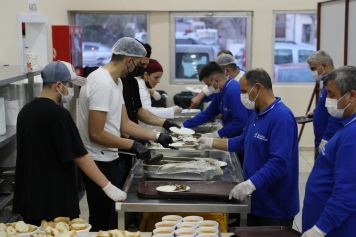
{"points": [[9, 136], [5, 199], [10, 74]]}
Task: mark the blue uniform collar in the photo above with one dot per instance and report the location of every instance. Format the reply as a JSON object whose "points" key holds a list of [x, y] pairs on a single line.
{"points": [[222, 92], [270, 107], [348, 120]]}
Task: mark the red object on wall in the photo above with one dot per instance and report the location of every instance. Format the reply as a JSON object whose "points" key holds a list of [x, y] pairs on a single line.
{"points": [[67, 46]]}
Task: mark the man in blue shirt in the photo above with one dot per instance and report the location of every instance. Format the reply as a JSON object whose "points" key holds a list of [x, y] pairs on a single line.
{"points": [[325, 126], [330, 193], [270, 144], [226, 102]]}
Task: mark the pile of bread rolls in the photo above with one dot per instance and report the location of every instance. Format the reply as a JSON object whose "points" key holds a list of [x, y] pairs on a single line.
{"points": [[118, 233], [62, 227], [15, 229]]}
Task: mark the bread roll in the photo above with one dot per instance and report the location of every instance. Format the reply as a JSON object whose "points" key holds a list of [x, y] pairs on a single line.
{"points": [[61, 218], [78, 226], [78, 220], [11, 230], [62, 226], [44, 225], [103, 234]]}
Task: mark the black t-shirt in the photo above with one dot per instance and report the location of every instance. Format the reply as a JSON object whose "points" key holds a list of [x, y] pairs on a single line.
{"points": [[131, 94], [47, 142]]}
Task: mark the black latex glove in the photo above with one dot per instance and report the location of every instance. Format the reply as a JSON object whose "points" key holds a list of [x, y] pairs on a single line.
{"points": [[141, 141], [141, 151], [165, 140], [167, 124]]}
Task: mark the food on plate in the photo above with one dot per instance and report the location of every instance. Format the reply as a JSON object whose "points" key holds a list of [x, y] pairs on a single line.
{"points": [[78, 226], [62, 219], [197, 135], [62, 224], [157, 160], [118, 233], [175, 135], [163, 232], [188, 143], [72, 233], [180, 187], [15, 229]]}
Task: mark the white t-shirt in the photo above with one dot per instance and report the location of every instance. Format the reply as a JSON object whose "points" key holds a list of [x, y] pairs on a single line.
{"points": [[147, 104], [237, 78], [101, 94]]}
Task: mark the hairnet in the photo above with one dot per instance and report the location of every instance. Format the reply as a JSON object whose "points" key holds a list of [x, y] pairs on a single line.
{"points": [[225, 59], [129, 47]]}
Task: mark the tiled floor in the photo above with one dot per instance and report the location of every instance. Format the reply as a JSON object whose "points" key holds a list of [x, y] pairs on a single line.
{"points": [[306, 162]]}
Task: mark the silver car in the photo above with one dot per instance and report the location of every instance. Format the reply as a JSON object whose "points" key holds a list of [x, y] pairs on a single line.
{"points": [[95, 54]]}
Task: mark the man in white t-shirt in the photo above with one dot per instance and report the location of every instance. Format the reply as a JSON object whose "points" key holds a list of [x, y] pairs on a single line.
{"points": [[228, 63], [103, 116]]}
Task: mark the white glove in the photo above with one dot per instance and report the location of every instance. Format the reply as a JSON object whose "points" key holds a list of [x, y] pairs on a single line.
{"points": [[204, 143], [114, 193], [177, 110], [310, 114], [156, 95], [212, 135], [322, 144], [313, 232], [241, 190]]}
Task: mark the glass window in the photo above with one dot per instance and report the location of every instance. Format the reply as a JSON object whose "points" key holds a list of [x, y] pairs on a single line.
{"points": [[101, 31], [294, 41], [198, 37]]}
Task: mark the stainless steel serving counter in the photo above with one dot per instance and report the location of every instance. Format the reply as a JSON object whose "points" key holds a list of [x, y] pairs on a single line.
{"points": [[232, 172]]}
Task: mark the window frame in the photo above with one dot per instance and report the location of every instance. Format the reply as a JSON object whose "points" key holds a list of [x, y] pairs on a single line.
{"points": [[172, 56], [273, 39]]}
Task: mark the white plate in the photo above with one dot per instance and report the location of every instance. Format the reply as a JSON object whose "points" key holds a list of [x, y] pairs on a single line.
{"points": [[190, 111], [170, 189], [180, 145], [182, 131], [222, 163], [193, 89]]}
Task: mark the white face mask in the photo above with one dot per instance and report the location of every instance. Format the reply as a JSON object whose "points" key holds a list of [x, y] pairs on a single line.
{"points": [[212, 89], [316, 76], [331, 105], [246, 101], [67, 98]]}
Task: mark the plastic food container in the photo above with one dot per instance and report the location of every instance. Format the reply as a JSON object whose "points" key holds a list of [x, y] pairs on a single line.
{"points": [[195, 219], [163, 231], [185, 232], [173, 218]]}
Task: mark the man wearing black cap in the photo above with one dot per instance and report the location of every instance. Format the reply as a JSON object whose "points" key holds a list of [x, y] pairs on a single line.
{"points": [[48, 147]]}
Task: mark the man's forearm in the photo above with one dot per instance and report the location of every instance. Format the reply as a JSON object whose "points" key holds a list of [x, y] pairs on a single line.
{"points": [[135, 130], [107, 139], [220, 144], [147, 117], [88, 166]]}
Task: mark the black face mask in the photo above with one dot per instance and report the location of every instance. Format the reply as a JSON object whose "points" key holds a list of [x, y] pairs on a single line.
{"points": [[133, 73], [148, 85], [140, 71]]}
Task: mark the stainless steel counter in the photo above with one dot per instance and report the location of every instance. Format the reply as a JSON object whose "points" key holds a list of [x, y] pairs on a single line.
{"points": [[232, 172]]}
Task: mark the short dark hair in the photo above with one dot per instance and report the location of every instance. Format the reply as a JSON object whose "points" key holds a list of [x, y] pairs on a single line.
{"points": [[117, 57], [48, 85], [211, 69], [345, 78], [225, 51], [258, 75]]}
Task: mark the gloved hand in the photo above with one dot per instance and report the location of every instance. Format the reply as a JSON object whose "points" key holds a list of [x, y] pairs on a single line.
{"points": [[165, 140], [241, 190], [141, 141], [322, 144], [212, 135], [141, 151], [204, 143], [177, 110], [313, 232], [310, 114], [167, 124], [114, 193]]}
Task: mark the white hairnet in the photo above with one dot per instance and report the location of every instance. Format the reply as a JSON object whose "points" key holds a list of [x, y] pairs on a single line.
{"points": [[225, 59], [129, 47]]}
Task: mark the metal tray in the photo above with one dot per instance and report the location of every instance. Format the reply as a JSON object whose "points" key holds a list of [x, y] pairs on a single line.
{"points": [[150, 170], [180, 119], [186, 152], [207, 128], [265, 231]]}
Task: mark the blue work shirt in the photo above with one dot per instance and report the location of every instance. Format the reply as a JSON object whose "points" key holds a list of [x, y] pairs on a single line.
{"points": [[325, 126], [330, 192], [270, 144], [228, 104]]}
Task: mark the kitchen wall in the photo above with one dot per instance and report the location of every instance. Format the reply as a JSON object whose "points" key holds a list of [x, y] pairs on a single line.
{"points": [[296, 96]]}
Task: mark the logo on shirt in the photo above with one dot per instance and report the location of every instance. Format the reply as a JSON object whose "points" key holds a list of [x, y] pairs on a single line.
{"points": [[261, 137], [226, 109]]}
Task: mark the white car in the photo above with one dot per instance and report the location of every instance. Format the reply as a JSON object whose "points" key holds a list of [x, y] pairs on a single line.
{"points": [[95, 54], [290, 52]]}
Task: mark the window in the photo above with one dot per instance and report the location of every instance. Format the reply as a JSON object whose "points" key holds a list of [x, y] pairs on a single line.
{"points": [[101, 31], [295, 40], [198, 37]]}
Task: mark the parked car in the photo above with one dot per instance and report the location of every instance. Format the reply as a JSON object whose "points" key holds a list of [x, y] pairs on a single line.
{"points": [[95, 54], [191, 58], [292, 72], [187, 38], [290, 52]]}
